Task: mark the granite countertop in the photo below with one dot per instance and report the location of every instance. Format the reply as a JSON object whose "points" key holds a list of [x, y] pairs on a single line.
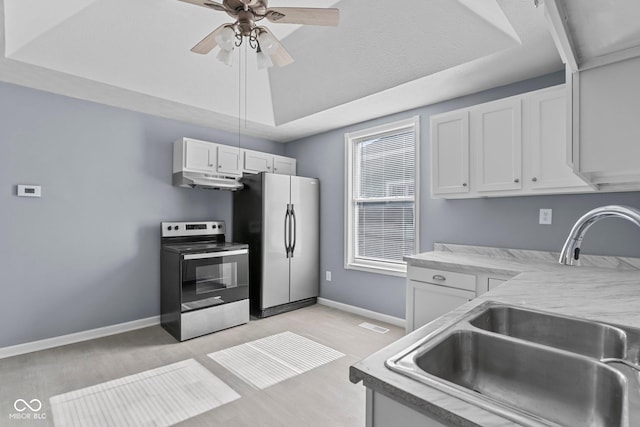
{"points": [[593, 292]]}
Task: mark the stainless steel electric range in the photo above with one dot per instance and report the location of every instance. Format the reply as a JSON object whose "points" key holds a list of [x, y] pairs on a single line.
{"points": [[204, 279]]}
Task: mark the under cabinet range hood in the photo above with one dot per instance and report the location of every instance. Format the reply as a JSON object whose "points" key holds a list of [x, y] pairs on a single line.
{"points": [[203, 164], [204, 180]]}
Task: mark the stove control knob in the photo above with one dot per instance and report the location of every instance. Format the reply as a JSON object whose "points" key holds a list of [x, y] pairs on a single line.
{"points": [[176, 227], [169, 228]]}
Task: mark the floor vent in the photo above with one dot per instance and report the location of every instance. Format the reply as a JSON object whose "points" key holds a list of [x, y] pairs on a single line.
{"points": [[374, 328]]}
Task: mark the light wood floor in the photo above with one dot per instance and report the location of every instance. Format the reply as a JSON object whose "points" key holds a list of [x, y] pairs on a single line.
{"points": [[321, 397]]}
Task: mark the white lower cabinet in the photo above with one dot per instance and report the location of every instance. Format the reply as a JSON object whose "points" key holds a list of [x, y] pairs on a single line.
{"points": [[432, 301], [382, 411], [432, 293]]}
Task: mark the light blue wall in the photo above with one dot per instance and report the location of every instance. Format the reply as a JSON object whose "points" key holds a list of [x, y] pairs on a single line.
{"points": [[505, 222], [86, 254]]}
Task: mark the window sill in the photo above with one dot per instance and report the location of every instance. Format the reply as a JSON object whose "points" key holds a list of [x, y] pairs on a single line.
{"points": [[399, 271]]}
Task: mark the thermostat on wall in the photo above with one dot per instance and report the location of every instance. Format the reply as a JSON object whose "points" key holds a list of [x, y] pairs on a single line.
{"points": [[29, 190]]}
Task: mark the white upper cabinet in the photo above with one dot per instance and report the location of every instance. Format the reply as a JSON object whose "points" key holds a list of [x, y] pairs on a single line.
{"points": [[547, 155], [496, 141], [450, 153], [229, 161], [515, 146], [606, 139], [284, 165], [199, 156], [224, 160], [255, 161]]}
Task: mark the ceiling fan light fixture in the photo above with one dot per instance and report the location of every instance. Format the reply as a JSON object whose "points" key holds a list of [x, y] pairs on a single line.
{"points": [[268, 43], [226, 39], [226, 57], [263, 59]]}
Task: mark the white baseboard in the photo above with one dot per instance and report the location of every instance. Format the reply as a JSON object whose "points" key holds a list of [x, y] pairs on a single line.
{"points": [[29, 347], [363, 312]]}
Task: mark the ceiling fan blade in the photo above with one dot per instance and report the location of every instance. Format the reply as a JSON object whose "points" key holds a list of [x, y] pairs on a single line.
{"points": [[304, 15], [208, 4], [208, 43], [281, 58]]}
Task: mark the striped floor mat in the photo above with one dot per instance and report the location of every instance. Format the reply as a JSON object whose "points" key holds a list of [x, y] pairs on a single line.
{"points": [[267, 361], [160, 397]]}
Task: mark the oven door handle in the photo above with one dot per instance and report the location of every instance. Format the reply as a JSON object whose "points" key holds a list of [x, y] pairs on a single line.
{"points": [[216, 254]]}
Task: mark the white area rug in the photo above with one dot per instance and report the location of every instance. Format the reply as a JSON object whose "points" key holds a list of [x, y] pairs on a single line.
{"points": [[267, 361], [160, 397]]}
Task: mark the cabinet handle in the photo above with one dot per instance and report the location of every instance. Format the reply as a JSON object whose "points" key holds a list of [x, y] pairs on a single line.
{"points": [[219, 166], [534, 179], [268, 167], [464, 184], [439, 277], [517, 180]]}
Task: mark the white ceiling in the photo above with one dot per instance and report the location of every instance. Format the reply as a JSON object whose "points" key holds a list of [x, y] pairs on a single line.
{"points": [[385, 57]]}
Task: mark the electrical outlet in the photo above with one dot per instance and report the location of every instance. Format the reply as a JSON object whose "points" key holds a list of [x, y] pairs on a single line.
{"points": [[327, 276], [545, 216]]}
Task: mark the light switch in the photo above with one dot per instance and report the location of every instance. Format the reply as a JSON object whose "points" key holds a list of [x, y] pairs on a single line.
{"points": [[327, 276], [29, 190]]}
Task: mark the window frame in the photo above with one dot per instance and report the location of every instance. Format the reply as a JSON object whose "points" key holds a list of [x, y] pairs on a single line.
{"points": [[351, 140]]}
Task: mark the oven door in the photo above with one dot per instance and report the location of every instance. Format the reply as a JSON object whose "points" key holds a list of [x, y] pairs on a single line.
{"points": [[214, 278]]}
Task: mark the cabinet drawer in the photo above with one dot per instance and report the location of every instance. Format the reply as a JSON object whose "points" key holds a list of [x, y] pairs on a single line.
{"points": [[442, 278]]}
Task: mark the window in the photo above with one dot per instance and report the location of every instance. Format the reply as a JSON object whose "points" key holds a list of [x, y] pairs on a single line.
{"points": [[381, 197]]}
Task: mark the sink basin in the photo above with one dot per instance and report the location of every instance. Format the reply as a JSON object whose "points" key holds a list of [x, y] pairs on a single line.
{"points": [[531, 367], [580, 336], [546, 384]]}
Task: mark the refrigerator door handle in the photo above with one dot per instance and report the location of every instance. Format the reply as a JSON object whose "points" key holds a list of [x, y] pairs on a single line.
{"points": [[295, 231], [287, 224]]}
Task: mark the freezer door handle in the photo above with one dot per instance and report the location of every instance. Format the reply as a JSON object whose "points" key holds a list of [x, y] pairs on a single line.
{"points": [[287, 225], [295, 230]]}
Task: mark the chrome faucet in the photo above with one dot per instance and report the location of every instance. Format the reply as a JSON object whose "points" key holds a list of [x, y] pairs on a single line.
{"points": [[571, 248]]}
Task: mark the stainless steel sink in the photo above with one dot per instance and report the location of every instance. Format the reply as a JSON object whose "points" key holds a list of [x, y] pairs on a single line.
{"points": [[580, 336], [532, 367]]}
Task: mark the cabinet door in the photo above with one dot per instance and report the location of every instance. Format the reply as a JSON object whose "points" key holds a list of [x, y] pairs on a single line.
{"points": [[257, 162], [450, 153], [200, 156], [496, 140], [548, 144], [608, 142], [284, 165], [229, 161], [432, 301]]}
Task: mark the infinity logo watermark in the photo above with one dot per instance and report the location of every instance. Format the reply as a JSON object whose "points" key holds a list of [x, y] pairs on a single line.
{"points": [[21, 405], [34, 406]]}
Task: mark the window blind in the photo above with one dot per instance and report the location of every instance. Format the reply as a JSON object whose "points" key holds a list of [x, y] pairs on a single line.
{"points": [[384, 196]]}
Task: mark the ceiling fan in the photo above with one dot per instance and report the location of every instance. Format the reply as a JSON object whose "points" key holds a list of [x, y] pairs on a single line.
{"points": [[246, 14]]}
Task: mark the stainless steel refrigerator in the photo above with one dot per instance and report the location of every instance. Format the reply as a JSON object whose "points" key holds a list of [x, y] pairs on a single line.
{"points": [[278, 216]]}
